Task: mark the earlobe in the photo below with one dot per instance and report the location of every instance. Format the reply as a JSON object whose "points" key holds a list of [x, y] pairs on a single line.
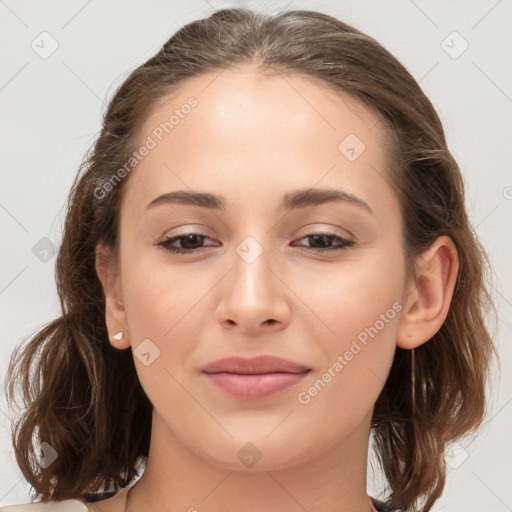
{"points": [[431, 290], [115, 317]]}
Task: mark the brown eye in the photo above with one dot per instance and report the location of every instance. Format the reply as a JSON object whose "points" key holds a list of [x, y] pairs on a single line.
{"points": [[193, 243], [190, 242], [322, 242]]}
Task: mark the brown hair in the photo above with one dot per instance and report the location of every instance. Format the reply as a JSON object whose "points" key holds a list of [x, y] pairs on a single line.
{"points": [[83, 397]]}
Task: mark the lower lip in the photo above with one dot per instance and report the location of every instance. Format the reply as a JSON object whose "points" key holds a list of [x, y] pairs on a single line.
{"points": [[254, 387]]}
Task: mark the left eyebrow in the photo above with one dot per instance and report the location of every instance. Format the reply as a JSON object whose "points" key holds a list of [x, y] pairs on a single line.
{"points": [[291, 201]]}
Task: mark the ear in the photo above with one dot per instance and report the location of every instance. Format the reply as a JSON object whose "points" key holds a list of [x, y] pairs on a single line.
{"points": [[108, 273], [430, 293]]}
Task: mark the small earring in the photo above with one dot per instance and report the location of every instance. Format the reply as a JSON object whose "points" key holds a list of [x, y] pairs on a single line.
{"points": [[118, 336]]}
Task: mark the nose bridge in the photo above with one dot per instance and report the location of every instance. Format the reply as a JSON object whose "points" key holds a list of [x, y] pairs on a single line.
{"points": [[251, 273], [252, 295]]}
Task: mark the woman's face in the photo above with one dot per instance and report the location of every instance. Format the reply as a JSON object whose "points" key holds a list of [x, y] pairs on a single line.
{"points": [[255, 281]]}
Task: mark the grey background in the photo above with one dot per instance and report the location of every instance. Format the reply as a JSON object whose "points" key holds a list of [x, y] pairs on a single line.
{"points": [[51, 114]]}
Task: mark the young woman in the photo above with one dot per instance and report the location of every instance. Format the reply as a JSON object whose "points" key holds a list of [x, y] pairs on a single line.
{"points": [[266, 264]]}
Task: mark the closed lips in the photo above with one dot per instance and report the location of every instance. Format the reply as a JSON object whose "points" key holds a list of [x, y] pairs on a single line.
{"points": [[254, 366], [254, 378]]}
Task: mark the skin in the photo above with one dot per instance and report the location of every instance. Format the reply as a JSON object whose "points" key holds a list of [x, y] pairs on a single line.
{"points": [[252, 138]]}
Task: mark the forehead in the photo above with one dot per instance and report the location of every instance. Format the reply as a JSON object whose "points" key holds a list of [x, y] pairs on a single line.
{"points": [[252, 99], [249, 129]]}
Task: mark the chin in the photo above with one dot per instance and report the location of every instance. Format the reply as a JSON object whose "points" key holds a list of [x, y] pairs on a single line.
{"points": [[251, 454]]}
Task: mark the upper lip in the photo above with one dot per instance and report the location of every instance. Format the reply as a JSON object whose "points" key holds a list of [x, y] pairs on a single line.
{"points": [[254, 365]]}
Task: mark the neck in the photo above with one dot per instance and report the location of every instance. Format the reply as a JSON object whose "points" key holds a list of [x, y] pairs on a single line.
{"points": [[177, 478]]}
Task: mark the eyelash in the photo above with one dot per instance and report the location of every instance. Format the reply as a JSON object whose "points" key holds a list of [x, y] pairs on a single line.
{"points": [[166, 244]]}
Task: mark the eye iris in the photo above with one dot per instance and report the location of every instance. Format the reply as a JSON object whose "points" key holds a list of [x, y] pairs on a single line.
{"points": [[316, 238], [190, 238]]}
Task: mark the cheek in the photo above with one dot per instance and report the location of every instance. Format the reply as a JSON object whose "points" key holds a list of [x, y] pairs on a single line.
{"points": [[360, 304], [162, 305], [159, 297], [165, 304], [353, 295], [357, 357]]}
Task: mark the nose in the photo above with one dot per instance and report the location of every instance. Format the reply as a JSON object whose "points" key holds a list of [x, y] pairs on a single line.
{"points": [[254, 297]]}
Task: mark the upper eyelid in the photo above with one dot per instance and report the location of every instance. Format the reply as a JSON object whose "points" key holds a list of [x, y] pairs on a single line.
{"points": [[190, 230], [312, 232]]}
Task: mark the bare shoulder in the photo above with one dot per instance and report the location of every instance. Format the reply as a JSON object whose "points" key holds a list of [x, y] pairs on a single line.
{"points": [[52, 506], [114, 504]]}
